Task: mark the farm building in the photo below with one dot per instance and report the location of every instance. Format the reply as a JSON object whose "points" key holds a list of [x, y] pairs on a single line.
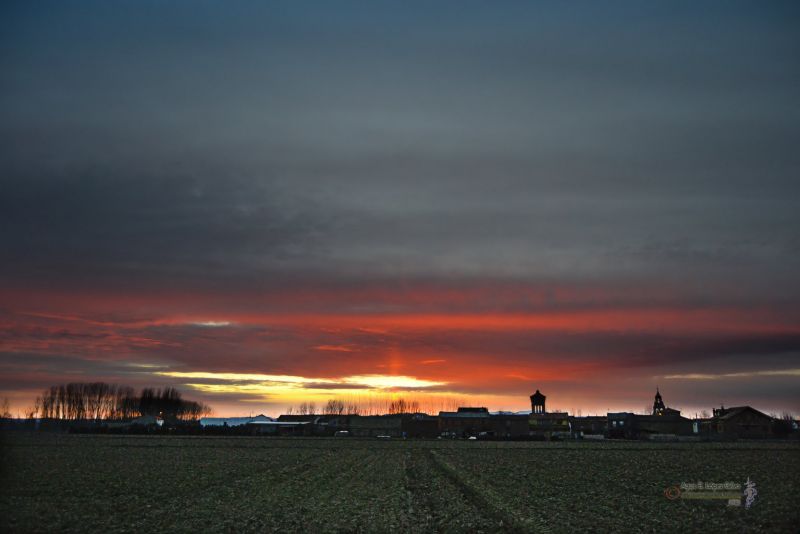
{"points": [[549, 425], [590, 425], [670, 423], [620, 425], [376, 425], [319, 425], [509, 425], [420, 425], [738, 422], [465, 422]]}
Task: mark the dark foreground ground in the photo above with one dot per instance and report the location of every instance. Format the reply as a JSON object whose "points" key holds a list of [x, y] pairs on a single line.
{"points": [[140, 484]]}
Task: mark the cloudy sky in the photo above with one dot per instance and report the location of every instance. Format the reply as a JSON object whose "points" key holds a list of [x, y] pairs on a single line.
{"points": [[267, 202]]}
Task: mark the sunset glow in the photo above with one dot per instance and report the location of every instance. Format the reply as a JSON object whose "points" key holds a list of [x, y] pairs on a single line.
{"points": [[263, 205], [374, 382], [572, 347]]}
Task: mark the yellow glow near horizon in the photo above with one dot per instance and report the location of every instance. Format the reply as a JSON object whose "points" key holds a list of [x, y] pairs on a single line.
{"points": [[292, 394], [242, 377], [366, 390], [289, 381], [390, 381]]}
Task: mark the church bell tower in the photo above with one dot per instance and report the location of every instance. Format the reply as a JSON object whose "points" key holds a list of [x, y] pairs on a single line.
{"points": [[658, 404]]}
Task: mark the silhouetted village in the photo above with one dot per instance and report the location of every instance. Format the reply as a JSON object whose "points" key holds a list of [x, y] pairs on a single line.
{"points": [[663, 423], [80, 408]]}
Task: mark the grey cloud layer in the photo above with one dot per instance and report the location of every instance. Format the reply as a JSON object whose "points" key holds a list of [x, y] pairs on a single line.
{"points": [[531, 141]]}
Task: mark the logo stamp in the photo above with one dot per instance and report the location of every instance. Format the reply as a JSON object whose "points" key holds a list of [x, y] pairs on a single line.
{"points": [[735, 494]]}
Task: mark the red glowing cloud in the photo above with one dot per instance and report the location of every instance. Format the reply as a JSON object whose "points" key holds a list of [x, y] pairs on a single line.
{"points": [[453, 340]]}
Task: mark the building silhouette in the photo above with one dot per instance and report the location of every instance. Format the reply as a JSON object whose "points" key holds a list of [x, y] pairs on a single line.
{"points": [[544, 424], [658, 404], [537, 403]]}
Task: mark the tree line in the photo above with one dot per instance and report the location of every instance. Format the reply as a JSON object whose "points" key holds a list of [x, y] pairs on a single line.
{"points": [[101, 401], [372, 405]]}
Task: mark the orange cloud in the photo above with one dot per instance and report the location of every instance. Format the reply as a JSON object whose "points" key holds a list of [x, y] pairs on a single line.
{"points": [[497, 350]]}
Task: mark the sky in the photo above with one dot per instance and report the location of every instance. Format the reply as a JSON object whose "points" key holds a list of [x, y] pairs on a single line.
{"points": [[262, 203]]}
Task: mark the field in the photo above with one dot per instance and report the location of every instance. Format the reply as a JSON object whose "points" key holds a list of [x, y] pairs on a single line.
{"points": [[145, 484]]}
